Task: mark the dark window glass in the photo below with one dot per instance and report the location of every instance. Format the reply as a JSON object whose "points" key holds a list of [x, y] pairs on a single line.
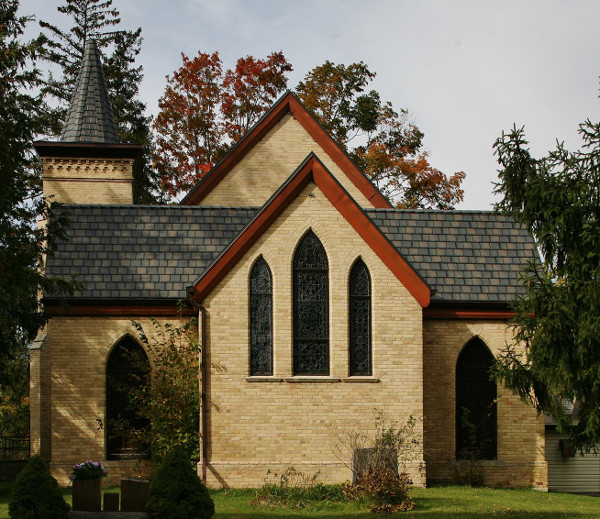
{"points": [[475, 403], [126, 368], [360, 319], [261, 319], [311, 308]]}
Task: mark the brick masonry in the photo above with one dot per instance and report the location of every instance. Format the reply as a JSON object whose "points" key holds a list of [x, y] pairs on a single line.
{"points": [[69, 394], [274, 158], [261, 426], [521, 445], [88, 181]]}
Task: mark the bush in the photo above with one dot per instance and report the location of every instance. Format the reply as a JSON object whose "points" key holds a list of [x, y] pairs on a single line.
{"points": [[176, 491], [36, 494], [383, 489], [379, 477]]}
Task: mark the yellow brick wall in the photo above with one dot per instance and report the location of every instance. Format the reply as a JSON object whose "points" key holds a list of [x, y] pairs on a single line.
{"points": [[521, 444], [88, 181], [272, 160], [260, 426], [74, 392]]}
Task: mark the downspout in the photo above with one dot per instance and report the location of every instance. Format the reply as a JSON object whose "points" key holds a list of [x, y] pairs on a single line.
{"points": [[203, 381]]}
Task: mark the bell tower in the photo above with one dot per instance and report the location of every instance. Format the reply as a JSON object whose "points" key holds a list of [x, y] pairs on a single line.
{"points": [[89, 165]]}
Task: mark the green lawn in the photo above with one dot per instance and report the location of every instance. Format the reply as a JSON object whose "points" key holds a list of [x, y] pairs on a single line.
{"points": [[443, 502]]}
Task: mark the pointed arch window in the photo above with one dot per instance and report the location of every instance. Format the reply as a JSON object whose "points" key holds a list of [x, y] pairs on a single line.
{"points": [[311, 307], [127, 365], [476, 416], [360, 319], [261, 319]]}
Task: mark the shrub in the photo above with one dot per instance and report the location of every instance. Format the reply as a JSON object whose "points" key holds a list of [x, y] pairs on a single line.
{"points": [[36, 494], [379, 477], [383, 489], [176, 491], [167, 398]]}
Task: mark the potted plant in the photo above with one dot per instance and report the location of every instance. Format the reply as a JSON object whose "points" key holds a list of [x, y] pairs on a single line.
{"points": [[87, 485]]}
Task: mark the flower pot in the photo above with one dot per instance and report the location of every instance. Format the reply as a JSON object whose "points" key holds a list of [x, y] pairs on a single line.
{"points": [[87, 495]]}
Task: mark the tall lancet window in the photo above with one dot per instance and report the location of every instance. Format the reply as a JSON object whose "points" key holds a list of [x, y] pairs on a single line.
{"points": [[311, 307], [261, 319], [126, 368], [476, 415], [360, 319]]}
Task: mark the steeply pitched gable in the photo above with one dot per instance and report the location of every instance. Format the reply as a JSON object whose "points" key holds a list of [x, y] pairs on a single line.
{"points": [[287, 105], [312, 170]]}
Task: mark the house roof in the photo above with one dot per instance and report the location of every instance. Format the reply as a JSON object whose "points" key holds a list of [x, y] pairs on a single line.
{"points": [[139, 252], [142, 252], [90, 117], [465, 256], [287, 104]]}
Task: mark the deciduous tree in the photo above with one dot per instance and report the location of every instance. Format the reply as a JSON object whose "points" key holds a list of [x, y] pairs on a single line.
{"points": [[557, 319], [249, 90], [204, 110], [190, 133], [389, 145]]}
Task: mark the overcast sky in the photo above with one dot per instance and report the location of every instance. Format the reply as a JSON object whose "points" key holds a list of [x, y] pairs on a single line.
{"points": [[465, 69]]}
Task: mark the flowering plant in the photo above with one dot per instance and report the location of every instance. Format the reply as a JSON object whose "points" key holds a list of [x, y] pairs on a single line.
{"points": [[88, 470]]}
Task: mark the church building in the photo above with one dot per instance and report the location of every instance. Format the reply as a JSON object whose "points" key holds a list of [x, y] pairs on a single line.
{"points": [[319, 306]]}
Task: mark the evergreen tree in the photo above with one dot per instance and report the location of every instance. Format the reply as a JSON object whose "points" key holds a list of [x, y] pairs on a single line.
{"points": [[23, 244], [557, 319], [98, 19]]}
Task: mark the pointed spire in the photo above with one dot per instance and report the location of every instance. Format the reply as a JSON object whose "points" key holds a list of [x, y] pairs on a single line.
{"points": [[90, 117]]}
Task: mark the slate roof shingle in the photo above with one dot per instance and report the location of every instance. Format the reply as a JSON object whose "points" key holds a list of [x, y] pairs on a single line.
{"points": [[143, 252], [465, 256], [90, 117], [155, 252]]}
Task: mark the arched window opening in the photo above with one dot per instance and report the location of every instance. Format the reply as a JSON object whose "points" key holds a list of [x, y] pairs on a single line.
{"points": [[360, 319], [126, 369], [476, 416], [261, 319], [311, 307]]}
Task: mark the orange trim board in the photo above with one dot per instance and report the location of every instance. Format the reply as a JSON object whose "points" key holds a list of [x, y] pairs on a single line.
{"points": [[286, 104], [453, 313], [314, 170], [117, 310]]}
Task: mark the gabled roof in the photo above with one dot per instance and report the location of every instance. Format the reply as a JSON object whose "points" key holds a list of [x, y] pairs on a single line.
{"points": [[466, 256], [90, 117], [149, 253], [142, 252], [312, 170], [287, 104]]}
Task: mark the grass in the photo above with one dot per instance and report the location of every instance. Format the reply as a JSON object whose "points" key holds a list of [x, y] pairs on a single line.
{"points": [[441, 502]]}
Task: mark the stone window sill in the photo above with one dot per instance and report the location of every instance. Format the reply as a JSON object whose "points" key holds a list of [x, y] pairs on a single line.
{"points": [[361, 380], [309, 379], [479, 463], [263, 378]]}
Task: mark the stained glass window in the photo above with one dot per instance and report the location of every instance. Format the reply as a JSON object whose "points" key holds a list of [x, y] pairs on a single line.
{"points": [[311, 308], [261, 319], [360, 319]]}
